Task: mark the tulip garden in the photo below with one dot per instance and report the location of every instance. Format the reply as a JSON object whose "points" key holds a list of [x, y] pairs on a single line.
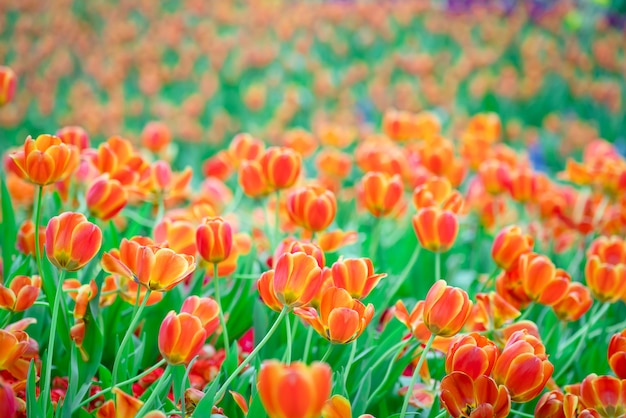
{"points": [[312, 209]]}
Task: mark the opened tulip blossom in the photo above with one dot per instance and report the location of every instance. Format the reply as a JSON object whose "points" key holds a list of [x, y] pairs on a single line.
{"points": [[312, 208], [463, 396], [20, 294], [341, 318], [297, 278], [541, 280], [46, 160], [617, 354], [156, 268], [308, 388], [605, 394], [472, 354], [356, 275]]}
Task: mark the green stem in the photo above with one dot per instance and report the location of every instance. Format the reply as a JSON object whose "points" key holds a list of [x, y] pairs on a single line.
{"points": [[289, 340], [438, 266], [396, 348], [442, 414], [37, 223], [114, 236], [248, 359], [520, 413], [277, 221], [416, 373], [160, 210], [327, 353], [307, 344], [184, 383], [526, 313], [216, 285], [593, 318], [397, 283], [163, 380], [121, 384], [579, 347], [129, 333], [51, 339], [349, 366], [375, 240]]}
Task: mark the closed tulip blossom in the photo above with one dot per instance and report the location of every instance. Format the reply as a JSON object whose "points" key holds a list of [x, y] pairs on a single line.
{"points": [[72, 241], [297, 278], [576, 302], [382, 193], [436, 229], [46, 160], [472, 354], [205, 309], [245, 147], [446, 309], [341, 318], [617, 354], [308, 388], [26, 238], [605, 271], [356, 275], [8, 84], [106, 197], [523, 367], [181, 337], [437, 191], [252, 180], [509, 245], [556, 404], [74, 135], [214, 239], [465, 397], [20, 294], [312, 208], [281, 167]]}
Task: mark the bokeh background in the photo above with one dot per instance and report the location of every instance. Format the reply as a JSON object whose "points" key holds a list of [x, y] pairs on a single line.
{"points": [[553, 70]]}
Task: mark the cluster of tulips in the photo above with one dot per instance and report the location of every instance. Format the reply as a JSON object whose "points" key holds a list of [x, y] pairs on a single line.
{"points": [[212, 70], [124, 293]]}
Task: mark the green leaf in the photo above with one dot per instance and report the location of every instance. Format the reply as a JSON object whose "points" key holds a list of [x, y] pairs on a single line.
{"points": [[362, 395], [33, 408], [8, 228], [203, 408]]}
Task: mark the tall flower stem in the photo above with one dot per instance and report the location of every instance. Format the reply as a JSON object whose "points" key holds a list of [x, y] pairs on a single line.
{"points": [[251, 356], [216, 286], [129, 332], [438, 266], [349, 365], [307, 344], [51, 339], [289, 340], [276, 221], [416, 373]]}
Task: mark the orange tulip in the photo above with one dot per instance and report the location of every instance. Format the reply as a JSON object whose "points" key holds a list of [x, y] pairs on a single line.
{"points": [[265, 285], [21, 293], [525, 185], [487, 125], [301, 141], [74, 135], [495, 176], [414, 321], [156, 136], [106, 197], [297, 278], [13, 345], [205, 309], [555, 404], [154, 267], [81, 294], [181, 337], [252, 179], [356, 275], [72, 241], [437, 191], [214, 238], [8, 85], [179, 235], [523, 367], [26, 238], [219, 165], [509, 245], [605, 271], [605, 394], [542, 281], [463, 396], [333, 163], [436, 229], [333, 240], [281, 167], [446, 309], [341, 318], [381, 192], [244, 147], [46, 160], [337, 407], [617, 354], [576, 302], [289, 245], [307, 387], [490, 312], [312, 208], [472, 354], [437, 155], [509, 286]]}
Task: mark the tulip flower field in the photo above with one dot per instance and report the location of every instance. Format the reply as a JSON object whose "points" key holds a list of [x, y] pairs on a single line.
{"points": [[312, 209]]}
